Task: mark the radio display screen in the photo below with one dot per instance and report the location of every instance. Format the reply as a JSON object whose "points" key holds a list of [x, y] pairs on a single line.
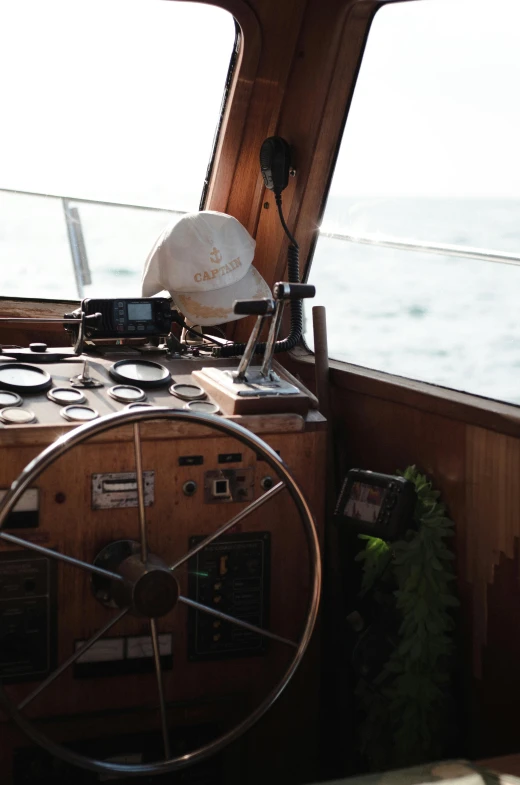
{"points": [[364, 502], [139, 312]]}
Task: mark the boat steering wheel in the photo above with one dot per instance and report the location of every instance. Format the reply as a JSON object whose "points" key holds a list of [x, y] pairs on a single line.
{"points": [[143, 584]]}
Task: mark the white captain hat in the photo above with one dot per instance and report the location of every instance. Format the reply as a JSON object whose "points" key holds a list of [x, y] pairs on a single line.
{"points": [[204, 262]]}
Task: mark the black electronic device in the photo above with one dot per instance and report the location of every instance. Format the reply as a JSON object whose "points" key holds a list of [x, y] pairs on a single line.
{"points": [[126, 317], [380, 505], [275, 163]]}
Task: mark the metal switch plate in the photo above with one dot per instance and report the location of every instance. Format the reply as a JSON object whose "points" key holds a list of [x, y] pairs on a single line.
{"points": [[27, 616], [231, 575], [120, 490], [240, 485]]}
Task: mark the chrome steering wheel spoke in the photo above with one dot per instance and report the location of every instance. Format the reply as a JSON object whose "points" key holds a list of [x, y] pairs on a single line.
{"points": [[49, 553], [233, 620], [71, 660], [229, 525], [160, 688], [140, 493]]}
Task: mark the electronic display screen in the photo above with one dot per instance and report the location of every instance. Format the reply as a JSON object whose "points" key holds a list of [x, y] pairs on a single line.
{"points": [[364, 502], [139, 312]]}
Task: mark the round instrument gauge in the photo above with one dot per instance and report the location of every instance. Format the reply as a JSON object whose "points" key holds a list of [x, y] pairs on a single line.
{"points": [[187, 392], [66, 395], [16, 416], [205, 407], [138, 405], [126, 393], [19, 377], [9, 399], [143, 372], [78, 413]]}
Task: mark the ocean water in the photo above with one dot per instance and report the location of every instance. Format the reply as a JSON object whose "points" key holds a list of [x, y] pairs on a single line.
{"points": [[439, 319]]}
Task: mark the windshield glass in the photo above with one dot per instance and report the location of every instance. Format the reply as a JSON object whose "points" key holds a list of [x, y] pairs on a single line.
{"points": [[108, 101], [418, 259]]}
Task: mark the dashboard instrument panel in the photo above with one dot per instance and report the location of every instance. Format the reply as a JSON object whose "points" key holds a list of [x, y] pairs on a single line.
{"points": [[194, 481]]}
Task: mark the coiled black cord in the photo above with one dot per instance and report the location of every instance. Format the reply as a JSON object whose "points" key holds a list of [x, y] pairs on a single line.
{"points": [[293, 275]]}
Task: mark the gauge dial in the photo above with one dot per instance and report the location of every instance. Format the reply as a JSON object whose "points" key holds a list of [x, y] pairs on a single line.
{"points": [[79, 413], [19, 377], [205, 407], [187, 392], [126, 393], [66, 395], [138, 405], [16, 416], [143, 372], [9, 399]]}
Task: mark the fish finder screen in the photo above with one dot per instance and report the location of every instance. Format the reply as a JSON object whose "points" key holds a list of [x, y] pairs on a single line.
{"points": [[139, 312], [364, 502]]}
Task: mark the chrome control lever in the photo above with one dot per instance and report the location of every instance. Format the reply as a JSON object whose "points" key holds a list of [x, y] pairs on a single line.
{"points": [[282, 292], [262, 308]]}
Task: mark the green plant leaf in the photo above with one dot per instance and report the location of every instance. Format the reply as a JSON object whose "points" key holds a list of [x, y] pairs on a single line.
{"points": [[407, 706]]}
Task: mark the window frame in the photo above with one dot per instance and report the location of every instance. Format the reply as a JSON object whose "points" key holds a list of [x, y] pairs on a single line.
{"points": [[425, 396]]}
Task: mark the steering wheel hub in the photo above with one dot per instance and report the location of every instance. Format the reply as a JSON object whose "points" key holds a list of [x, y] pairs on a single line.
{"points": [[150, 589]]}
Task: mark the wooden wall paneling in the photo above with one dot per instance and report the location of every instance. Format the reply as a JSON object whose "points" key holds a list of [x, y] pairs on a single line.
{"points": [[495, 720], [280, 25], [382, 435], [493, 514], [452, 404], [302, 114], [385, 436], [306, 113], [477, 471], [237, 106]]}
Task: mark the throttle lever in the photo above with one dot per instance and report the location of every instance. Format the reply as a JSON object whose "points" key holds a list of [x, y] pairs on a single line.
{"points": [[282, 292], [293, 291], [254, 307], [262, 308]]}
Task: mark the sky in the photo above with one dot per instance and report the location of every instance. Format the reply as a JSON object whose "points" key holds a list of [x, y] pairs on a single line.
{"points": [[118, 100], [111, 99], [436, 110]]}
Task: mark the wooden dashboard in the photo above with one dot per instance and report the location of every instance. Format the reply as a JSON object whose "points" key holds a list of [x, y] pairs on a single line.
{"points": [[214, 674]]}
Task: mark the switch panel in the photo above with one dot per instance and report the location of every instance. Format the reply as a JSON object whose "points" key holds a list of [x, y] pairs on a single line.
{"points": [[231, 575], [27, 620], [229, 485], [120, 490], [122, 656]]}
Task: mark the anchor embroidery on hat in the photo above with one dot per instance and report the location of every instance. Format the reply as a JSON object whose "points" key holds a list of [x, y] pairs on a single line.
{"points": [[215, 256]]}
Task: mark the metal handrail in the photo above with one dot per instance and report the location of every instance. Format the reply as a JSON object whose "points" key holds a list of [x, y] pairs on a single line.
{"points": [[94, 201], [443, 249], [77, 245]]}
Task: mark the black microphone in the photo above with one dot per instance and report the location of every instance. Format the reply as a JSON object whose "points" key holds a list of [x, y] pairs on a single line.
{"points": [[275, 162]]}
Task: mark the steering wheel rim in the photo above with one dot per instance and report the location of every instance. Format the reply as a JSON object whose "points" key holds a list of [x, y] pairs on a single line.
{"points": [[76, 437]]}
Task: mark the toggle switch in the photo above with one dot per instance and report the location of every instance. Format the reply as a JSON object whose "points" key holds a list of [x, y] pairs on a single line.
{"points": [[223, 567]]}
